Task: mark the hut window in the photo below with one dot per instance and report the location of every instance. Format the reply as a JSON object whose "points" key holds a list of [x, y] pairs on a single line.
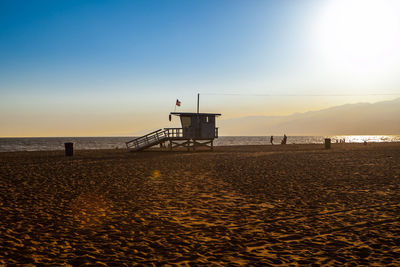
{"points": [[207, 120], [186, 122]]}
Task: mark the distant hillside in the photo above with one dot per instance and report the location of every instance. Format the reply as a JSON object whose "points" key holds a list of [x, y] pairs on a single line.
{"points": [[356, 119]]}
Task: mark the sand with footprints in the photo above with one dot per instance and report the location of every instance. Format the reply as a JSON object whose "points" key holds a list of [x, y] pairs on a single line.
{"points": [[239, 205]]}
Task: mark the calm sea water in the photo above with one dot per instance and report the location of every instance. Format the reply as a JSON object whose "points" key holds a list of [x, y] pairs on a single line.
{"points": [[57, 143]]}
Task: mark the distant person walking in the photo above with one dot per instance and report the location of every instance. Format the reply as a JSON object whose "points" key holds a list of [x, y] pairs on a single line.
{"points": [[272, 140], [284, 139]]}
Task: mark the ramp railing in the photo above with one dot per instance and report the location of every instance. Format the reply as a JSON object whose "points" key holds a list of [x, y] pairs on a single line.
{"points": [[174, 132], [147, 140]]}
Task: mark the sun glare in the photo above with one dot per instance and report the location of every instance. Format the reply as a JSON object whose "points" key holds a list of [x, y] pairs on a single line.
{"points": [[360, 36]]}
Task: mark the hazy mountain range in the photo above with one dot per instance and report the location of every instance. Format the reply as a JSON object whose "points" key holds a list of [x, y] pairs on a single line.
{"points": [[351, 119]]}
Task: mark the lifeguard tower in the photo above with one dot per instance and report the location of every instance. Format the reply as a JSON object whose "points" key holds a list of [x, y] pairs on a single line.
{"points": [[198, 130]]}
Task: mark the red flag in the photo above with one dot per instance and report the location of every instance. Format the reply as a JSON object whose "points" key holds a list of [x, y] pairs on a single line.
{"points": [[178, 103]]}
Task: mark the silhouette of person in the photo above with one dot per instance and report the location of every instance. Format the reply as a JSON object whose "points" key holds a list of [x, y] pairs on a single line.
{"points": [[284, 139], [272, 140]]}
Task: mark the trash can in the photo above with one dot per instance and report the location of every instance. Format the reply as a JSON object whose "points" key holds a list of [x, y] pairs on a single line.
{"points": [[327, 143], [69, 149]]}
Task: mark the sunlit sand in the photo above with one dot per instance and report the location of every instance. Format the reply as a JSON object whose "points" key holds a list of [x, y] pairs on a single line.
{"points": [[244, 205]]}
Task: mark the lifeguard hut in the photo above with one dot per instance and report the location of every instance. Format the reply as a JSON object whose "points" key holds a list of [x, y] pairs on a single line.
{"points": [[198, 130]]}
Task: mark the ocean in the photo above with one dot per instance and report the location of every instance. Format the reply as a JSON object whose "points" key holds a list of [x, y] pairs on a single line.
{"points": [[57, 143]]}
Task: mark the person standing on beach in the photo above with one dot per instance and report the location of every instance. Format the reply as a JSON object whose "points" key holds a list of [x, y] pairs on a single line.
{"points": [[284, 139], [272, 140]]}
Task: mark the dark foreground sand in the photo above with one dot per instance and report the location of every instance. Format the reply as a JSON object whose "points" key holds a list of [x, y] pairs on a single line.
{"points": [[256, 205]]}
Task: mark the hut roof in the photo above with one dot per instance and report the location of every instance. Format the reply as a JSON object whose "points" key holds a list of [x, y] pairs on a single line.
{"points": [[194, 114]]}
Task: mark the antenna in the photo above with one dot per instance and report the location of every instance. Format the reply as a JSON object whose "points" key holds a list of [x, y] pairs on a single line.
{"points": [[198, 102]]}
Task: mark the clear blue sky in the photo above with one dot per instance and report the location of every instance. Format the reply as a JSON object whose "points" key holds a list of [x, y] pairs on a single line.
{"points": [[117, 67]]}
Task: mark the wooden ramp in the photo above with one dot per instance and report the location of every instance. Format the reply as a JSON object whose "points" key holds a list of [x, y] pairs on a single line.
{"points": [[148, 140], [174, 136]]}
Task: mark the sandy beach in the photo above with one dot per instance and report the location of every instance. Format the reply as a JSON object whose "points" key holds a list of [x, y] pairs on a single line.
{"points": [[243, 205]]}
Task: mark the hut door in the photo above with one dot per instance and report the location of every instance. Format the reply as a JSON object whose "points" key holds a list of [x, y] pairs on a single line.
{"points": [[186, 126], [208, 127]]}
